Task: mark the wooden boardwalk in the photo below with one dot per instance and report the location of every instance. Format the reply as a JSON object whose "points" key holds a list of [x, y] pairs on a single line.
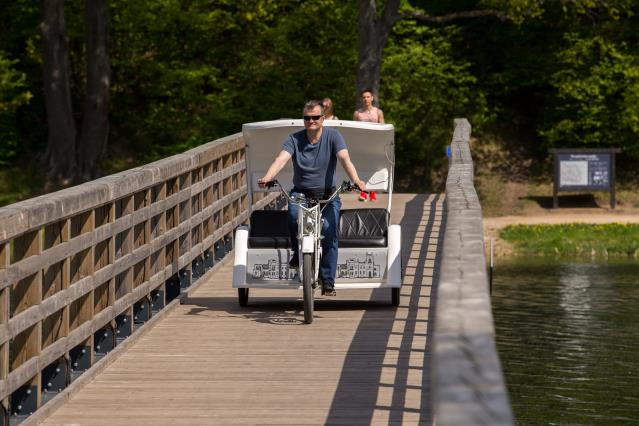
{"points": [[211, 362]]}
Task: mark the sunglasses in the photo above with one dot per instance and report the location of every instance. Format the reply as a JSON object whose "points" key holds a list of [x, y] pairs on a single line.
{"points": [[312, 117]]}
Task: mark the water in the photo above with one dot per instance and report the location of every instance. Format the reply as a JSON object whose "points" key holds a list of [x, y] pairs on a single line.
{"points": [[568, 339]]}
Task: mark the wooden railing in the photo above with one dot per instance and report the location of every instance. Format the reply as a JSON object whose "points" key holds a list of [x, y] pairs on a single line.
{"points": [[83, 268]]}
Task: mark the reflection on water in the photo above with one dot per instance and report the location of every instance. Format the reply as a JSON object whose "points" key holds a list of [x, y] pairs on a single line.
{"points": [[568, 339]]}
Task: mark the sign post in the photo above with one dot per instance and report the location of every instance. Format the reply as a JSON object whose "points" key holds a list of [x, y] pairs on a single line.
{"points": [[584, 170]]}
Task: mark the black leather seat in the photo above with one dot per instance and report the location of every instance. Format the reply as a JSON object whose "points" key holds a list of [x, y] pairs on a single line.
{"points": [[363, 228], [269, 229]]}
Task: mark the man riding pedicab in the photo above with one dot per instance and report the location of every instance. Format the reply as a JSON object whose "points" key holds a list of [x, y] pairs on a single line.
{"points": [[315, 152]]}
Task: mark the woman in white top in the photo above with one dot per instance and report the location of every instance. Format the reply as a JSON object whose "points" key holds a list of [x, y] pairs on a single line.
{"points": [[368, 112]]}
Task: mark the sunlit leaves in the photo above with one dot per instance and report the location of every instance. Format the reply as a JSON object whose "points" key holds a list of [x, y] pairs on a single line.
{"points": [[13, 93], [597, 86], [424, 87], [13, 90]]}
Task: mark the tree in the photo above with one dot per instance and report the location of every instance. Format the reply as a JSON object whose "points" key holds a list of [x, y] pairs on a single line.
{"points": [[95, 124], [374, 30], [67, 156], [373, 35], [596, 94], [60, 156]]}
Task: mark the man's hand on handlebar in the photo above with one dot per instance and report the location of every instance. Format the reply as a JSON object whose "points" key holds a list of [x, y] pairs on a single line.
{"points": [[359, 185], [266, 183]]}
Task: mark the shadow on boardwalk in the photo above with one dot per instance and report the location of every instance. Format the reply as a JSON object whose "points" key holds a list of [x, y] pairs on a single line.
{"points": [[385, 376], [390, 392], [280, 311], [211, 362]]}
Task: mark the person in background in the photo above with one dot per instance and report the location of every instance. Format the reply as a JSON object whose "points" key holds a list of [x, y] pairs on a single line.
{"points": [[315, 152], [327, 103], [369, 113]]}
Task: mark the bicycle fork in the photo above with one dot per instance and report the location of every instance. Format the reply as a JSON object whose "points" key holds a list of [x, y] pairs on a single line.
{"points": [[309, 225]]}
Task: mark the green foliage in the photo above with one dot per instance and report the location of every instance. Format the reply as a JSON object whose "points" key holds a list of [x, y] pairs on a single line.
{"points": [[13, 94], [597, 94], [13, 91], [424, 87], [20, 84], [18, 183], [186, 72], [517, 10], [574, 239]]}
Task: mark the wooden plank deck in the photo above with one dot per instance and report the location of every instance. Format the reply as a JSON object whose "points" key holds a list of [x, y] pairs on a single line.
{"points": [[211, 362]]}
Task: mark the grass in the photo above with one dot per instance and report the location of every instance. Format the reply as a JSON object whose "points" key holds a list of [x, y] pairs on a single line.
{"points": [[613, 239]]}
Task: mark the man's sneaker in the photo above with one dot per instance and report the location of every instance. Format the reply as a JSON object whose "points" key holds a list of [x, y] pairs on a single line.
{"points": [[328, 290], [373, 196], [294, 262], [362, 196]]}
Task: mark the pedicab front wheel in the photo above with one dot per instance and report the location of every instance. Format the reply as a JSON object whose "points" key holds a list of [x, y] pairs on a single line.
{"points": [[307, 284], [242, 296]]}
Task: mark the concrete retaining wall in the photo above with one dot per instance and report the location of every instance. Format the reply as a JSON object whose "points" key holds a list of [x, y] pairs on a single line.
{"points": [[468, 385]]}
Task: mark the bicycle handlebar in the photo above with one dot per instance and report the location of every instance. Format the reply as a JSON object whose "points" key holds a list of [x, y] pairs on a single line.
{"points": [[346, 186]]}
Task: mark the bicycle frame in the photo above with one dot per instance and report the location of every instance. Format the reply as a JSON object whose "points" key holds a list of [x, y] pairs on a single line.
{"points": [[310, 223]]}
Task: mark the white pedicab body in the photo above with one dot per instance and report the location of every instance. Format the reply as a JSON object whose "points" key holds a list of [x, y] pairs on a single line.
{"points": [[369, 247]]}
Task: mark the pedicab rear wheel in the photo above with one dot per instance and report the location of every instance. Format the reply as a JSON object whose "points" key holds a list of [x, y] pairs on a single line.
{"points": [[395, 296], [395, 291], [242, 296], [307, 286]]}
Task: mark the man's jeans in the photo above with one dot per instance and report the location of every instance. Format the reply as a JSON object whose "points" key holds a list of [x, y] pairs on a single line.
{"points": [[328, 264]]}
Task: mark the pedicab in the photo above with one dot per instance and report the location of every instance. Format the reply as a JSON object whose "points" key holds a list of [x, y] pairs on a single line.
{"points": [[369, 253]]}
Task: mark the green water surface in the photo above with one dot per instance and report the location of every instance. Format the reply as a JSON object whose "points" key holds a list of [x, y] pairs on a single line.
{"points": [[568, 339]]}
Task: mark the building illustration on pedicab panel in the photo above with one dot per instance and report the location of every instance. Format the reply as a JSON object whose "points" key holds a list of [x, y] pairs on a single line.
{"points": [[273, 270], [353, 268], [356, 268]]}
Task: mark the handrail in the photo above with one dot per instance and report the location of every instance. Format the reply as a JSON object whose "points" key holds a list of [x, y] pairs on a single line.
{"points": [[79, 262], [468, 385], [76, 264]]}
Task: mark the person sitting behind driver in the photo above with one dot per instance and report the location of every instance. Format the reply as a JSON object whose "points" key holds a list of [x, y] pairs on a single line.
{"points": [[369, 113], [315, 151], [327, 103]]}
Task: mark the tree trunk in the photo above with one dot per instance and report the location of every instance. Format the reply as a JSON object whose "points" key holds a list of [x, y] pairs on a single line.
{"points": [[373, 34], [60, 155], [95, 123]]}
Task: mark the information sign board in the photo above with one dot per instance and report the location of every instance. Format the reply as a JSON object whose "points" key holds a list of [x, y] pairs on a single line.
{"points": [[584, 170]]}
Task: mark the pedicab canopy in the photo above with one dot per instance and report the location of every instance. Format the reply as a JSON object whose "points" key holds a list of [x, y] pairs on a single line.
{"points": [[371, 147]]}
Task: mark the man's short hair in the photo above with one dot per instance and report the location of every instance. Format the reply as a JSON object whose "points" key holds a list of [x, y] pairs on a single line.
{"points": [[312, 104], [366, 90]]}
